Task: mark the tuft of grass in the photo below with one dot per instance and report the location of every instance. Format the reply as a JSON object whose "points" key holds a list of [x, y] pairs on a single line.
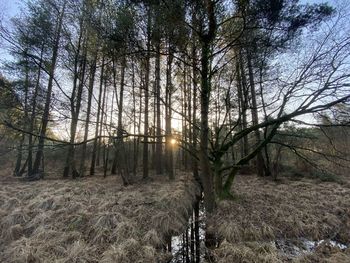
{"points": [[14, 232], [254, 252], [130, 251], [326, 177], [92, 219], [152, 237], [326, 253], [265, 211]]}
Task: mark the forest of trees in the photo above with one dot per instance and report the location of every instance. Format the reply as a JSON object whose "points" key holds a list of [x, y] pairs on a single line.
{"points": [[211, 86]]}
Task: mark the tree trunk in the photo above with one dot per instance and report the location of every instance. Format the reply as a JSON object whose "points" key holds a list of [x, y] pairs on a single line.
{"points": [[194, 113], [99, 112], [147, 66], [114, 164], [135, 144], [45, 118], [206, 173], [75, 102], [103, 118], [16, 172], [255, 118], [244, 102], [88, 112], [159, 152], [122, 159], [184, 116], [168, 144], [33, 115]]}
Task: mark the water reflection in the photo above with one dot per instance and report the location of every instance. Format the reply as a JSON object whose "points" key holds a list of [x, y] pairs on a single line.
{"points": [[189, 246], [292, 248]]}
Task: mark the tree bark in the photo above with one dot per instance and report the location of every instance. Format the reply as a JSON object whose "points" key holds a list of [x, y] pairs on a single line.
{"points": [[123, 162], [255, 118], [45, 118], [207, 39], [244, 102], [99, 112], [194, 98], [168, 112], [75, 103], [103, 120], [206, 173], [159, 151], [33, 115], [147, 66], [88, 111]]}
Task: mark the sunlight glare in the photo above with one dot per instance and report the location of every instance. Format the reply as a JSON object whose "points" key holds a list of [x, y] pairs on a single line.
{"points": [[173, 141]]}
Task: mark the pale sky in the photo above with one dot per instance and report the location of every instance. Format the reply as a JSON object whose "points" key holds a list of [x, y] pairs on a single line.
{"points": [[9, 8]]}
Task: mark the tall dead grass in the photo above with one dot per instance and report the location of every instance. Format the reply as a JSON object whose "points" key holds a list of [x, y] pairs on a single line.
{"points": [[92, 219], [265, 211]]}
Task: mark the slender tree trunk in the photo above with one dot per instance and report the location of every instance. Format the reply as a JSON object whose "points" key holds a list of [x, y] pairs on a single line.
{"points": [[123, 162], [168, 144], [103, 118], [153, 127], [99, 112], [145, 140], [159, 152], [189, 116], [75, 102], [135, 145], [194, 114], [242, 115], [192, 238], [33, 115], [184, 116], [88, 112], [255, 118], [244, 102], [115, 157], [206, 173], [106, 151], [16, 172], [139, 124], [196, 231], [45, 118], [187, 246]]}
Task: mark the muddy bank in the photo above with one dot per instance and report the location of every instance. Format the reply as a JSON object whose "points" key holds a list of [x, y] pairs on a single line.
{"points": [[92, 219], [268, 221]]}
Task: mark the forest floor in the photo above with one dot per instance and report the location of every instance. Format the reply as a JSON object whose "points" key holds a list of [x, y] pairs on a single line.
{"points": [[98, 220], [286, 221], [92, 219]]}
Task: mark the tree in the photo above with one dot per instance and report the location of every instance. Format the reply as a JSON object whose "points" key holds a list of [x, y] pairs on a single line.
{"points": [[45, 117], [237, 64]]}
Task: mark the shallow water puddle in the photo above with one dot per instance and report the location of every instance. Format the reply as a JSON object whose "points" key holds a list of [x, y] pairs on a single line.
{"points": [[295, 248], [189, 246]]}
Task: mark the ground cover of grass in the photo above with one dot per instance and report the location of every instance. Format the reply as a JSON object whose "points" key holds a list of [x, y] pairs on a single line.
{"points": [[92, 219], [265, 211]]}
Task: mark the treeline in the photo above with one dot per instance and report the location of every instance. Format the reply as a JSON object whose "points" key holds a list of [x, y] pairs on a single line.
{"points": [[127, 81]]}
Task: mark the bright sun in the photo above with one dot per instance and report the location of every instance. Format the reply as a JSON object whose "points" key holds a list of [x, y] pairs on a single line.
{"points": [[173, 141]]}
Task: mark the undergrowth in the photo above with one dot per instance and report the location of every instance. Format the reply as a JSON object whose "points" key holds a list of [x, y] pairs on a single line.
{"points": [[92, 219]]}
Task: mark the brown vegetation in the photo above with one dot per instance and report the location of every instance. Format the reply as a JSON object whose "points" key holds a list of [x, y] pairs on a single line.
{"points": [[91, 219], [265, 211]]}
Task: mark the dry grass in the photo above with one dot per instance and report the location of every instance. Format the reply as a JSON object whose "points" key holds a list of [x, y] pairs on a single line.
{"points": [[326, 254], [91, 219], [265, 211], [248, 252]]}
